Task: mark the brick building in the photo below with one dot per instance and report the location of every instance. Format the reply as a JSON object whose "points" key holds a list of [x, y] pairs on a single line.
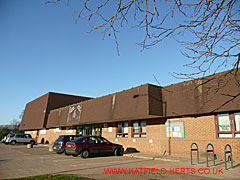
{"points": [[149, 118]]}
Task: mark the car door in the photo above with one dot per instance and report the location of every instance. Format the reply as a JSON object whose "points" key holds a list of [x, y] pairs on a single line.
{"points": [[25, 139], [19, 138], [105, 146], [93, 145]]}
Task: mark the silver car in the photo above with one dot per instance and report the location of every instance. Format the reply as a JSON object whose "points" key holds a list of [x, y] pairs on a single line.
{"points": [[6, 137], [20, 138]]}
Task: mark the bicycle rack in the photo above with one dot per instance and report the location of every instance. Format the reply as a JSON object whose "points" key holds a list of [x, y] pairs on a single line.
{"points": [[227, 152], [210, 150], [196, 149]]}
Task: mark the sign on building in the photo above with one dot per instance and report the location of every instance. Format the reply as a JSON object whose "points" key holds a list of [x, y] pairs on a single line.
{"points": [[174, 129], [74, 114]]}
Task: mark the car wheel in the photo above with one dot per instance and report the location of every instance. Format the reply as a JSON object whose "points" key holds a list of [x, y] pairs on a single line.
{"points": [[84, 153], [66, 153], [13, 143], [117, 152]]}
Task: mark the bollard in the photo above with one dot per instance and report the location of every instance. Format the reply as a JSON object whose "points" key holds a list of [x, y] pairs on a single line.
{"points": [[29, 146], [50, 147]]}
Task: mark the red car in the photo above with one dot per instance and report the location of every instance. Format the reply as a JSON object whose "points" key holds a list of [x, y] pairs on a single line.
{"points": [[89, 145]]}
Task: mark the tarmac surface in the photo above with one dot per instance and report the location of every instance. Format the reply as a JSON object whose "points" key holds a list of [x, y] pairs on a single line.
{"points": [[18, 161]]}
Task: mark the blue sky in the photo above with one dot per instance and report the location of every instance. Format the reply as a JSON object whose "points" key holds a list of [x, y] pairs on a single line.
{"points": [[42, 50]]}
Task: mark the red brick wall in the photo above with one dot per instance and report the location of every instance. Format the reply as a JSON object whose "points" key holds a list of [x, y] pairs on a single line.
{"points": [[200, 130], [50, 135]]}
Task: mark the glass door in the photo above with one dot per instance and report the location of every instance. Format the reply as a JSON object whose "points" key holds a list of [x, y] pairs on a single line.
{"points": [[89, 130]]}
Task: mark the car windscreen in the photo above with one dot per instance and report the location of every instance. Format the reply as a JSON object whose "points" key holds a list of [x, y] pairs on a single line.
{"points": [[59, 138], [78, 139]]}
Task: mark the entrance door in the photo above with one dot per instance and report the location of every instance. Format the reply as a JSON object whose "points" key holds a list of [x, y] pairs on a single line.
{"points": [[89, 130]]}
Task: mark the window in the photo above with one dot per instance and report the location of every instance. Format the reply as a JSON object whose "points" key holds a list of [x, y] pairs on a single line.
{"points": [[103, 141], [228, 125], [84, 141], [79, 139], [71, 138], [139, 129], [93, 140], [122, 129], [69, 130], [57, 130], [28, 135], [224, 122], [25, 136], [43, 131], [89, 130], [237, 121]]}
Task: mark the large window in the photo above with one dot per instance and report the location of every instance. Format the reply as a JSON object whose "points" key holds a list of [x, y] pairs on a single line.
{"points": [[122, 129], [89, 130], [237, 121], [237, 125], [224, 122], [228, 125], [139, 129]]}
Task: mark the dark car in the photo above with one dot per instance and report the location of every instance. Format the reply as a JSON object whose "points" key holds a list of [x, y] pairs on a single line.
{"points": [[89, 145], [60, 143]]}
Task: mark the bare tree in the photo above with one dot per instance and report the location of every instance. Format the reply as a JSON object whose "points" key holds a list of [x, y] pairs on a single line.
{"points": [[15, 125], [209, 30], [21, 115]]}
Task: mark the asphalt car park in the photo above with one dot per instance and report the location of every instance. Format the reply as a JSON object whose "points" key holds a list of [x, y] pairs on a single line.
{"points": [[18, 161]]}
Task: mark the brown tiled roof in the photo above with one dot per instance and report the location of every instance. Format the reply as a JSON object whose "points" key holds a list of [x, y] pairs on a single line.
{"points": [[36, 112], [189, 98], [196, 97], [114, 107]]}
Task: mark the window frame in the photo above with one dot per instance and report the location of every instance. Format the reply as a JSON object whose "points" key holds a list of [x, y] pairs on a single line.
{"points": [[234, 124], [232, 131], [140, 133], [122, 133]]}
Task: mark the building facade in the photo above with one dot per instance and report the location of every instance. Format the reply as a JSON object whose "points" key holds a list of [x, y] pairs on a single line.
{"points": [[148, 118]]}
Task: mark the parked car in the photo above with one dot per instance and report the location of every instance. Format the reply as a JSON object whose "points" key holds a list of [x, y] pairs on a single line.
{"points": [[86, 146], [6, 137], [20, 138], [60, 143]]}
